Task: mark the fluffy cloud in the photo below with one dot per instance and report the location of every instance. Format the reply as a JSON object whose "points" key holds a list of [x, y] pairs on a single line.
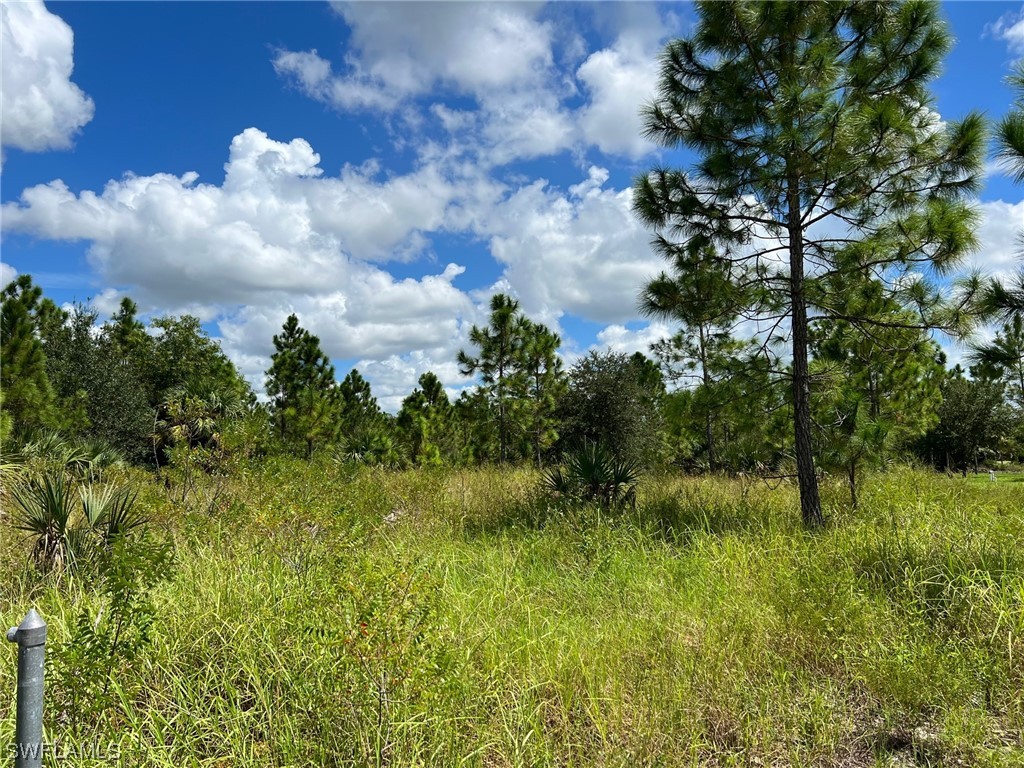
{"points": [[280, 236], [581, 252], [40, 108], [620, 79], [472, 49], [277, 237], [618, 338], [501, 57], [999, 234], [275, 225], [1009, 28]]}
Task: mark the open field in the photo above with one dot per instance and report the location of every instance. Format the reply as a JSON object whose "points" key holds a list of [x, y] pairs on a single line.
{"points": [[320, 615]]}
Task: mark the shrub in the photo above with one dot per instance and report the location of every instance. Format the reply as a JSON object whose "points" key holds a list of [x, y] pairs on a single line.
{"points": [[592, 474]]}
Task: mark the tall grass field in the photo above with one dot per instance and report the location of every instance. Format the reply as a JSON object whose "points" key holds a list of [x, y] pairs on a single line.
{"points": [[319, 615]]}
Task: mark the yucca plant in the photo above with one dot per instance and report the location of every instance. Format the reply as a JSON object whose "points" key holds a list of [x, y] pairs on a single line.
{"points": [[593, 474]]}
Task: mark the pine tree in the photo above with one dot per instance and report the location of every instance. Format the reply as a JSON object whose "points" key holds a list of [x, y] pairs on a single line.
{"points": [[359, 411], [819, 156], [127, 334], [1003, 358], [704, 300], [302, 388], [426, 421], [876, 391], [500, 346], [544, 382], [28, 397]]}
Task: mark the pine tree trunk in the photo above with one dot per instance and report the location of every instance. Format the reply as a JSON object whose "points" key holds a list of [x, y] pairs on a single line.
{"points": [[851, 471], [709, 432], [810, 501]]}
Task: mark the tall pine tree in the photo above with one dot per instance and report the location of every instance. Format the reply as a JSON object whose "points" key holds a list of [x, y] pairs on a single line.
{"points": [[819, 155], [28, 397], [303, 391], [500, 345]]}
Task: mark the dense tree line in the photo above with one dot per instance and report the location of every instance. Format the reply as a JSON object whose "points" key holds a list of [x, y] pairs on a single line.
{"points": [[805, 250]]}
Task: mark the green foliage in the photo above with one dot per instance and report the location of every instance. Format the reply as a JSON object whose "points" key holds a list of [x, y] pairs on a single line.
{"points": [[102, 394], [372, 446], [804, 115], [304, 394], [180, 355], [69, 523], [522, 379], [611, 401], [427, 422], [1010, 131], [500, 344], [107, 641], [877, 384], [703, 297], [973, 419], [593, 474], [1002, 359], [28, 395], [541, 383], [45, 509]]}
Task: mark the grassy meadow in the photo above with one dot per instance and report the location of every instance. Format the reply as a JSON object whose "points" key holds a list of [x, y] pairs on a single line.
{"points": [[320, 615]]}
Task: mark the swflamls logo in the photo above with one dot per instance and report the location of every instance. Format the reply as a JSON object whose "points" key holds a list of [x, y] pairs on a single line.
{"points": [[101, 751]]}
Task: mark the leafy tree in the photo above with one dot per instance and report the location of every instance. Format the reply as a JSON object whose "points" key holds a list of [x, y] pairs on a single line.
{"points": [[183, 355], [500, 345], [610, 402], [820, 156], [302, 388], [101, 394], [28, 395], [972, 420]]}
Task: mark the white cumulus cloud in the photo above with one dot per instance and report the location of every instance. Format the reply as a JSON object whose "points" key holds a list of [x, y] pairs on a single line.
{"points": [[1010, 29], [40, 108], [581, 251]]}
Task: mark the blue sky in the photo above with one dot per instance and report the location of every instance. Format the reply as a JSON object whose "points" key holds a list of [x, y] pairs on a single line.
{"points": [[378, 168]]}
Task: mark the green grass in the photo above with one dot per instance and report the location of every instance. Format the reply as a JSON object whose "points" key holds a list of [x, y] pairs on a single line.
{"points": [[489, 627], [1001, 477]]}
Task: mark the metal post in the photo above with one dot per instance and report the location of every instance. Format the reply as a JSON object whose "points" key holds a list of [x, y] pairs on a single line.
{"points": [[31, 639]]}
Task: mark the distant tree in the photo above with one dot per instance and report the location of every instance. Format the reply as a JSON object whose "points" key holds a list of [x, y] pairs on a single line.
{"points": [[304, 394], [28, 394], [543, 383], [1002, 359], [973, 419], [182, 355], [878, 388], [499, 345], [475, 426], [426, 421], [102, 395], [819, 156], [358, 407], [704, 300], [127, 334], [611, 402]]}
